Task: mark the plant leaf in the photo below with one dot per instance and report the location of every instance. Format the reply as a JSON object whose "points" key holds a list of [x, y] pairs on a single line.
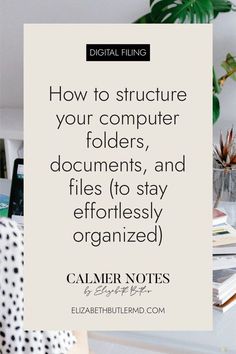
{"points": [[216, 86], [233, 161], [231, 136], [144, 19], [158, 10], [229, 64], [216, 108], [193, 11], [221, 6]]}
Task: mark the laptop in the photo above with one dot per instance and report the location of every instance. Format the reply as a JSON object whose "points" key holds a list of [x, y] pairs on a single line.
{"points": [[16, 203]]}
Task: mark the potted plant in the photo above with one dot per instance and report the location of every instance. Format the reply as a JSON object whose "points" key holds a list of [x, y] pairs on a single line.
{"points": [[224, 173]]}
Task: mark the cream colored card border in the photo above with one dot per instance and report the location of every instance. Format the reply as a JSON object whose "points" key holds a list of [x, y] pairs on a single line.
{"points": [[181, 57]]}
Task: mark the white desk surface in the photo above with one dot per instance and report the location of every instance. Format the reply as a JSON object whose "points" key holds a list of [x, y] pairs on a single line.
{"points": [[221, 340]]}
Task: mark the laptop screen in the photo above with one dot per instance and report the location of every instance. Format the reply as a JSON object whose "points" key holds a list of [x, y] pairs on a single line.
{"points": [[16, 205]]}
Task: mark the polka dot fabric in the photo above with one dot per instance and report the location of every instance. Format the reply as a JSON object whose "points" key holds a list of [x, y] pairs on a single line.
{"points": [[13, 339]]}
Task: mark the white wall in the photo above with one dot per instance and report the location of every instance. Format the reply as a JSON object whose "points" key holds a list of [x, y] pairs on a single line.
{"points": [[14, 13]]}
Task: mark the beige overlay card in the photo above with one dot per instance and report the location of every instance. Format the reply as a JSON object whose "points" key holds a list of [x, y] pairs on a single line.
{"points": [[118, 157]]}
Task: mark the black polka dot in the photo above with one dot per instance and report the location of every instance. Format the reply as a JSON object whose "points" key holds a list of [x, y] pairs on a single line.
{"points": [[13, 339]]}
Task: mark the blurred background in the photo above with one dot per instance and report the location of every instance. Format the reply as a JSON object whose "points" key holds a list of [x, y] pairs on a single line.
{"points": [[13, 14]]}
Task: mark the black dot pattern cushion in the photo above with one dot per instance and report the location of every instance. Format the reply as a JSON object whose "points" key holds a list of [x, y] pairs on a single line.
{"points": [[13, 339]]}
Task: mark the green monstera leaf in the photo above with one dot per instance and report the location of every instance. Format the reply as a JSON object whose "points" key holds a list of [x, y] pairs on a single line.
{"points": [[193, 11], [180, 11], [216, 108], [145, 19], [221, 6]]}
